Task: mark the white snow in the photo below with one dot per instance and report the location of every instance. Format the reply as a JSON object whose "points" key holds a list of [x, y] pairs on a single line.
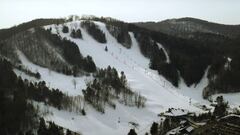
{"points": [[52, 78], [165, 52], [195, 91], [233, 99], [160, 94]]}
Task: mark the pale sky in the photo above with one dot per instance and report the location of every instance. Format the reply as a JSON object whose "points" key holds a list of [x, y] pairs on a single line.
{"points": [[13, 12]]}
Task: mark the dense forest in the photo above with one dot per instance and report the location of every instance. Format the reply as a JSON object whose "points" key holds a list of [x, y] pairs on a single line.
{"points": [[51, 51], [120, 32], [51, 128], [94, 31], [150, 49], [17, 114], [70, 50], [116, 28], [191, 57], [7, 33]]}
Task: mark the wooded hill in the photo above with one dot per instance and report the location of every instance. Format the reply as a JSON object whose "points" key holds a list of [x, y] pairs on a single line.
{"points": [[189, 57]]}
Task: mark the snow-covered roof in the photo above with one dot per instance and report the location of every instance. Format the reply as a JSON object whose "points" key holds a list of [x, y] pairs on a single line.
{"points": [[176, 112], [189, 129], [182, 122], [229, 59]]}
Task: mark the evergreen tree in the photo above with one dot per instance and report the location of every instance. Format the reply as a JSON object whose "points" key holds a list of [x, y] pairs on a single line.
{"points": [[154, 129], [83, 112], [132, 132], [123, 79], [106, 49], [15, 113], [221, 107], [65, 29], [29, 132], [78, 34], [38, 76], [166, 125], [73, 34], [20, 133], [89, 65], [68, 132], [42, 127], [94, 31]]}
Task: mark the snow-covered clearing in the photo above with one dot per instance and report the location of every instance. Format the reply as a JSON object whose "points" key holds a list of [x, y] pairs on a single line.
{"points": [[195, 91], [52, 78]]}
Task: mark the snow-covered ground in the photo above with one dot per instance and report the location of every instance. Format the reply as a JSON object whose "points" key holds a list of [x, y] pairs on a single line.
{"points": [[52, 78], [232, 98], [160, 94], [195, 91]]}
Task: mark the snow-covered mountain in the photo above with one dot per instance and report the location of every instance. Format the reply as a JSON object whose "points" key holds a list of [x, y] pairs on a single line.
{"points": [[35, 53]]}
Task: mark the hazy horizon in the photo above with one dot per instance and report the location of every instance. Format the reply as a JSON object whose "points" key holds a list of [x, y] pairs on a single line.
{"points": [[15, 12]]}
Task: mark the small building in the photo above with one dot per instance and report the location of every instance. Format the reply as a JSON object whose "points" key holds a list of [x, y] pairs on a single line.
{"points": [[176, 114], [187, 130]]}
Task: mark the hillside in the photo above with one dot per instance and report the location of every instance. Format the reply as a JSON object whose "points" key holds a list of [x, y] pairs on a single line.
{"points": [[201, 44], [104, 76]]}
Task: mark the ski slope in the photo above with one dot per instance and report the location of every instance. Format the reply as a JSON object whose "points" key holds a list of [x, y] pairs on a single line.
{"points": [[52, 78], [160, 94], [132, 62]]}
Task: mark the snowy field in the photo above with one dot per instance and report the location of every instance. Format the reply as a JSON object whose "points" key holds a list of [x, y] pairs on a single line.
{"points": [[160, 94]]}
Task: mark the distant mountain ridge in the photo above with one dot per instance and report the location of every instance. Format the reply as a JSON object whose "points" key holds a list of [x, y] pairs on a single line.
{"points": [[186, 27]]}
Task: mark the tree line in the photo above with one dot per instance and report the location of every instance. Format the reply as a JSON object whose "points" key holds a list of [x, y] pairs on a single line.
{"points": [[71, 53]]}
